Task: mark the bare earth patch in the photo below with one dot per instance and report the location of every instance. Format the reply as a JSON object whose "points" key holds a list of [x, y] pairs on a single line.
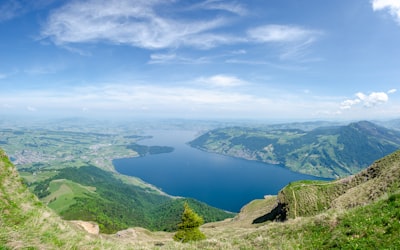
{"points": [[89, 227]]}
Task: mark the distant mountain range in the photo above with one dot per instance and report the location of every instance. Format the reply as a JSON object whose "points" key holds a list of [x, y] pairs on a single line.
{"points": [[328, 151]]}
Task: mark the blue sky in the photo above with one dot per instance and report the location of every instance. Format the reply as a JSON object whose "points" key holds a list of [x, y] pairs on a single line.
{"points": [[256, 59]]}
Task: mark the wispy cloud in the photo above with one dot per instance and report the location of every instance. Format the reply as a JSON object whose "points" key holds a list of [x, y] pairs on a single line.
{"points": [[281, 33], [136, 23], [175, 58], [9, 10], [232, 7], [145, 24], [392, 6], [294, 40], [162, 58]]}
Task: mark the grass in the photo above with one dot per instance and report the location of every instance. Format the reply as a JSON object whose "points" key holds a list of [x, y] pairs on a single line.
{"points": [[375, 226], [63, 193]]}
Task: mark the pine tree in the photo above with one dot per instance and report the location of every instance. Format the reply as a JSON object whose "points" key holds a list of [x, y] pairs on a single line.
{"points": [[188, 229]]}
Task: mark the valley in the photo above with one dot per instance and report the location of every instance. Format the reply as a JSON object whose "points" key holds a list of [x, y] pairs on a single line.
{"points": [[73, 175]]}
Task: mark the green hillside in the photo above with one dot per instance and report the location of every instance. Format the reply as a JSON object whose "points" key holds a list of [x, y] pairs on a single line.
{"points": [[331, 152], [28, 224], [358, 212], [91, 194]]}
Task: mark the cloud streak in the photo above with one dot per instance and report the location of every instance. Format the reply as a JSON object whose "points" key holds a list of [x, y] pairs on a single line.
{"points": [[281, 33], [295, 40], [235, 8]]}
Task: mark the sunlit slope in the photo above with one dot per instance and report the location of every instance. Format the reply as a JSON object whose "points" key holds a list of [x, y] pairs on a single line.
{"points": [[26, 222], [92, 194], [305, 198], [326, 151]]}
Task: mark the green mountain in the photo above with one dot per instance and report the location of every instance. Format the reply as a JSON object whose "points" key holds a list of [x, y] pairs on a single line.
{"points": [[91, 194], [333, 151], [357, 212]]}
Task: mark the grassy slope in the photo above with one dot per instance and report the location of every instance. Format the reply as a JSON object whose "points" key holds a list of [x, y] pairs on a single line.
{"points": [[26, 222], [368, 220], [305, 198], [89, 193], [63, 193]]}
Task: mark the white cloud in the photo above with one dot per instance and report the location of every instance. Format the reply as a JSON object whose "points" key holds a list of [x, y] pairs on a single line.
{"points": [[235, 8], [222, 81], [147, 24], [373, 99], [368, 101], [281, 33], [295, 40], [162, 58], [393, 6], [349, 103], [135, 23]]}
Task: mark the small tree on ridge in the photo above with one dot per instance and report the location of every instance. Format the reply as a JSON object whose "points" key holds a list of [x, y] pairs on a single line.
{"points": [[188, 229]]}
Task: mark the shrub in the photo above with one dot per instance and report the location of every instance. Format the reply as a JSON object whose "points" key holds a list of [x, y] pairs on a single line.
{"points": [[188, 229]]}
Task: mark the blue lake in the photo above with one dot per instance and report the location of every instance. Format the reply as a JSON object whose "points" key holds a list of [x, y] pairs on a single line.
{"points": [[221, 181]]}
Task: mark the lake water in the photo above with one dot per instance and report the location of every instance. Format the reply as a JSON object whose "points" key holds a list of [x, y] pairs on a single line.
{"points": [[220, 181]]}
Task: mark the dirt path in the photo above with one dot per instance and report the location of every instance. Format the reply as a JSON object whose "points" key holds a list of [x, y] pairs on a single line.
{"points": [[295, 204], [89, 227]]}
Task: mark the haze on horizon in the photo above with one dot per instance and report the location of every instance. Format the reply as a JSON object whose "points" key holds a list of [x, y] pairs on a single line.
{"points": [[256, 59]]}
